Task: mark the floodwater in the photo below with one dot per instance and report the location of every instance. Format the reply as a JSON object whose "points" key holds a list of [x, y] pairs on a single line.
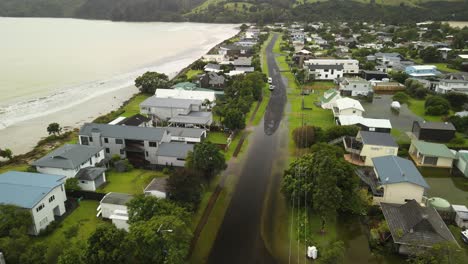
{"points": [[48, 64]]}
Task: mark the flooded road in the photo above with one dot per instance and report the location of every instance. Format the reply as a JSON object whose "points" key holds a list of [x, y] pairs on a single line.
{"points": [[239, 238]]}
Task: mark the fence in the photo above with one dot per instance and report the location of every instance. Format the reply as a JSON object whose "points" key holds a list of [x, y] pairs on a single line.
{"points": [[88, 195]]}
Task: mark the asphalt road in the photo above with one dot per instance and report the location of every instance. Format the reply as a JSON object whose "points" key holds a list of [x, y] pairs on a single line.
{"points": [[239, 239]]}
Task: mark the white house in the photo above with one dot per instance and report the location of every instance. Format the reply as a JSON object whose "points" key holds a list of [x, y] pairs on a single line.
{"points": [[114, 206], [75, 161], [355, 87], [349, 66], [43, 195], [325, 72], [184, 94], [446, 86], [157, 187], [347, 106]]}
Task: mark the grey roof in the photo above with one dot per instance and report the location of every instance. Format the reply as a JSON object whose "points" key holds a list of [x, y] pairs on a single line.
{"points": [[174, 149], [154, 101], [216, 79], [124, 132], [68, 156], [117, 198], [436, 125], [412, 224], [393, 169], [135, 120], [325, 67], [157, 184], [242, 61], [374, 72], [378, 138], [212, 66], [26, 189], [90, 173], [198, 118], [185, 132]]}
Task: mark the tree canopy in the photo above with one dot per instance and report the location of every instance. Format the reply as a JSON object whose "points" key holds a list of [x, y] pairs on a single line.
{"points": [[206, 158], [150, 81], [54, 128]]}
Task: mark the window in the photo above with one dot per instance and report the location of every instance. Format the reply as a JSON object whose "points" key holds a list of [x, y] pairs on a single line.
{"points": [[107, 150], [52, 198], [90, 161], [153, 144], [106, 140], [146, 153], [118, 141], [371, 128], [122, 152], [40, 207], [97, 155], [354, 111], [90, 139], [83, 182], [84, 140]]}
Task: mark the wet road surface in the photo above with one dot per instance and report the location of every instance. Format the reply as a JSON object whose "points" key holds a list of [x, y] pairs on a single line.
{"points": [[239, 238]]}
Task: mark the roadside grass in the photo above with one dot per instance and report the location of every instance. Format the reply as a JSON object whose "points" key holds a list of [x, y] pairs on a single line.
{"points": [[132, 182], [320, 85], [14, 167], [217, 137], [456, 233], [417, 107], [84, 217], [191, 73], [133, 106]]}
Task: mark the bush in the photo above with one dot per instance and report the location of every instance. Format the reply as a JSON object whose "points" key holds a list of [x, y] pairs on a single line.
{"points": [[457, 141], [340, 131], [436, 110], [437, 105], [457, 100], [401, 97], [72, 184]]}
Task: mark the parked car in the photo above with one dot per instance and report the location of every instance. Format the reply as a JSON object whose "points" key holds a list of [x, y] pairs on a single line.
{"points": [[272, 87], [270, 81]]}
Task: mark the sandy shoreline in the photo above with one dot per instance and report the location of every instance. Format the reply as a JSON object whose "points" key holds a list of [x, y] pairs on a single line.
{"points": [[23, 136]]}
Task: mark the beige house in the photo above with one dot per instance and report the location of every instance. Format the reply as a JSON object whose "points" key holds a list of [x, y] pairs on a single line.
{"points": [[394, 180], [347, 106], [368, 145], [431, 154]]}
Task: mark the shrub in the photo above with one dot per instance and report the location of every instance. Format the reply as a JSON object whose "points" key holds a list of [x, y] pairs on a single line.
{"points": [[340, 131], [401, 97], [437, 105], [457, 141]]}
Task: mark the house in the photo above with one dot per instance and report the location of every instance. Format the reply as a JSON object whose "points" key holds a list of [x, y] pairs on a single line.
{"points": [[136, 120], [431, 154], [206, 95], [210, 67], [75, 161], [43, 195], [113, 206], [187, 135], [444, 52], [461, 215], [235, 51], [446, 86], [394, 180], [373, 75], [368, 145], [419, 71], [157, 187], [365, 124], [324, 72], [349, 66], [328, 99], [414, 228], [177, 112], [347, 106], [212, 80], [433, 131], [173, 154], [462, 161], [355, 87], [239, 62], [138, 144]]}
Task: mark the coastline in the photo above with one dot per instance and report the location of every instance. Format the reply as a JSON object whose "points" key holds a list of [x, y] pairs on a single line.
{"points": [[23, 136]]}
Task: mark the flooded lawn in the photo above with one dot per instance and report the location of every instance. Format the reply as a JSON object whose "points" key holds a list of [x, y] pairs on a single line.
{"points": [[452, 188]]}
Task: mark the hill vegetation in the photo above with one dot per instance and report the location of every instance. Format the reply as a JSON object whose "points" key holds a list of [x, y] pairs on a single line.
{"points": [[237, 11]]}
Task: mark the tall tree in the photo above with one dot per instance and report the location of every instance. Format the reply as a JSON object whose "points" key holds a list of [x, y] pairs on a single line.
{"points": [[13, 217], [430, 54], [107, 245], [184, 187], [6, 153], [54, 128], [206, 158], [234, 119], [143, 208], [150, 81]]}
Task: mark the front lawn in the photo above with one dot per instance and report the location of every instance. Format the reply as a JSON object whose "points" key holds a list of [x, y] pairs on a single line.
{"points": [[191, 73], [133, 106], [320, 85], [132, 182], [417, 107], [217, 137]]}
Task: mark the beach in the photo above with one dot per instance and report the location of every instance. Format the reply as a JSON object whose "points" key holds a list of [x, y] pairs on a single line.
{"points": [[81, 81]]}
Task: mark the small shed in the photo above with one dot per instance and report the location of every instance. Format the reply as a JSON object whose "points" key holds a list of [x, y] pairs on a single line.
{"points": [[157, 187], [433, 131], [113, 201], [461, 215]]}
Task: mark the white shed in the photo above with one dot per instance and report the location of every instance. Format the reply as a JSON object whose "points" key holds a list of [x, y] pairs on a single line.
{"points": [[113, 202], [461, 215], [157, 187]]}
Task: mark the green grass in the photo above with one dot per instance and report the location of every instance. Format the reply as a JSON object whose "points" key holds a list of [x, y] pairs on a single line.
{"points": [[417, 107], [443, 67], [204, 5], [400, 137], [84, 216], [133, 107], [217, 137], [320, 85], [191, 73], [238, 7], [15, 167], [132, 182]]}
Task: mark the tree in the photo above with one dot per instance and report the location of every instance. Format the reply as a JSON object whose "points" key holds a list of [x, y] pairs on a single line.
{"points": [[72, 184], [34, 254], [107, 245], [143, 208], [206, 158], [184, 186], [234, 119], [162, 239], [441, 253], [15, 244], [6, 153], [243, 27], [457, 100], [436, 105], [401, 97], [54, 128], [399, 76], [150, 81], [13, 217], [333, 253], [430, 54], [74, 253]]}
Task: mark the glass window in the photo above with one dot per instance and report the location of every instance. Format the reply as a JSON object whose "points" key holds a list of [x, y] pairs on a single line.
{"points": [[153, 144], [118, 141], [107, 150], [106, 140]]}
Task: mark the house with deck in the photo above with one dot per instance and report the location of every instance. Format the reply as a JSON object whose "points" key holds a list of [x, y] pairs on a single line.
{"points": [[347, 106], [83, 162], [414, 228], [212, 80], [368, 145], [43, 195], [427, 154]]}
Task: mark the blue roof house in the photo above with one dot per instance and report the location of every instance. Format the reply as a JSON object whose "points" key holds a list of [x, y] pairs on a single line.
{"points": [[42, 194], [422, 71]]}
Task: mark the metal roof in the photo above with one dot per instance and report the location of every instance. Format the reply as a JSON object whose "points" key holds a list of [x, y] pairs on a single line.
{"points": [[436, 125], [157, 184], [348, 120], [90, 173], [325, 67], [185, 132], [346, 103], [393, 169], [68, 156], [197, 118], [135, 120], [154, 101], [174, 149], [25, 189], [377, 138], [124, 132], [433, 149], [117, 198]]}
